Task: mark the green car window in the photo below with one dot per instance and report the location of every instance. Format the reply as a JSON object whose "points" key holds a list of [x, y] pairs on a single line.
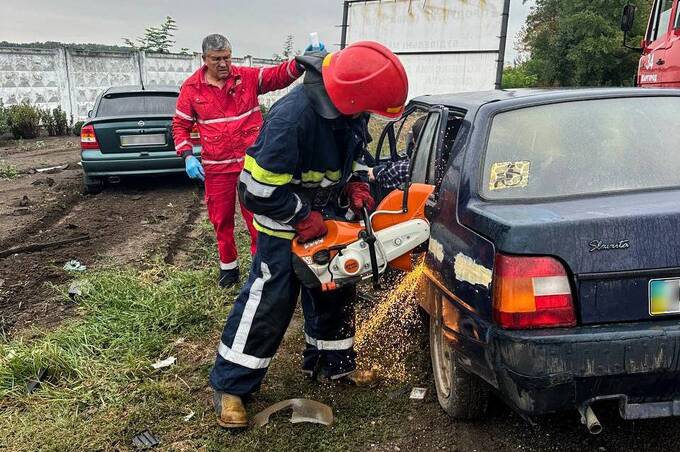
{"points": [[138, 104]]}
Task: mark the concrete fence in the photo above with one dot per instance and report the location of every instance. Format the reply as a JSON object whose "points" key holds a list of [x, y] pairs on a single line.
{"points": [[73, 78]]}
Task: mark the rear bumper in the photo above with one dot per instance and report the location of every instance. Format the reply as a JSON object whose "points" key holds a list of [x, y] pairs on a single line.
{"points": [[552, 370], [95, 163]]}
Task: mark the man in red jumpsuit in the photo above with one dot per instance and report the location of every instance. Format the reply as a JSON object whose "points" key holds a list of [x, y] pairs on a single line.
{"points": [[222, 100]]}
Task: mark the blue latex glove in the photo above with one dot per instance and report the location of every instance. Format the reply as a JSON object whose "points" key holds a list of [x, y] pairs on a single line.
{"points": [[321, 48], [194, 168]]}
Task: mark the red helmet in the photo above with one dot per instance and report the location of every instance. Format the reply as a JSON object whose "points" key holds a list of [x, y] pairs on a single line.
{"points": [[366, 76]]}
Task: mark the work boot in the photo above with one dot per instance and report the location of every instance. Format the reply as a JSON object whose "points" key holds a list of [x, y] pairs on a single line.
{"points": [[359, 378], [230, 410], [228, 278]]}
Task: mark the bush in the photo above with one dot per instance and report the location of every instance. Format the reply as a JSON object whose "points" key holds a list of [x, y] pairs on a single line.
{"points": [[519, 76], [60, 121], [4, 120], [54, 121], [47, 121], [24, 121], [76, 128]]}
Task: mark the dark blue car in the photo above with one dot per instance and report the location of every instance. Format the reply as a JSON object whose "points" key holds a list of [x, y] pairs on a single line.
{"points": [[553, 270]]}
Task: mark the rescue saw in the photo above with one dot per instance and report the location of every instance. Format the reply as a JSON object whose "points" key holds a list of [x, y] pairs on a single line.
{"points": [[355, 250]]}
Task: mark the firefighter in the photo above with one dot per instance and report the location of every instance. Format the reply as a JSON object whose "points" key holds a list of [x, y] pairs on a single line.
{"points": [[298, 171], [222, 100]]}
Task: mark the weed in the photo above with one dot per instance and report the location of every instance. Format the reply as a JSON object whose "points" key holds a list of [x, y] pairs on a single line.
{"points": [[8, 172]]}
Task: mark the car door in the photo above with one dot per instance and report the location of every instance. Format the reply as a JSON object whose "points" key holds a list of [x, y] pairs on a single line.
{"points": [[652, 66], [672, 73]]}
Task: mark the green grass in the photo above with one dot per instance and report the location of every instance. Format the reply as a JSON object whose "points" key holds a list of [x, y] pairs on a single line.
{"points": [[101, 391]]}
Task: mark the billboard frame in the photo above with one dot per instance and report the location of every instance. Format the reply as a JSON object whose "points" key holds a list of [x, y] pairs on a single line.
{"points": [[500, 62]]}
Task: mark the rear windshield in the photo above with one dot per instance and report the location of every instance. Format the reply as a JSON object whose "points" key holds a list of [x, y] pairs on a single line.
{"points": [[138, 104], [584, 147]]}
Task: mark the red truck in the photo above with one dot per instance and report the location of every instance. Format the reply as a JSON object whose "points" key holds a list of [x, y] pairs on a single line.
{"points": [[660, 61]]}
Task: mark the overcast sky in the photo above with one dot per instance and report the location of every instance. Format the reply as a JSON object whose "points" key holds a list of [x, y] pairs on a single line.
{"points": [[255, 27]]}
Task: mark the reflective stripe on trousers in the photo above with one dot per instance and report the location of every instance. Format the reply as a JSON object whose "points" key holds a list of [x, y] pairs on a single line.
{"points": [[261, 314]]}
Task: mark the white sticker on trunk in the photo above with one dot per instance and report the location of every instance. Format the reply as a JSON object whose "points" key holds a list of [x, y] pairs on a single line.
{"points": [[467, 270], [437, 250]]}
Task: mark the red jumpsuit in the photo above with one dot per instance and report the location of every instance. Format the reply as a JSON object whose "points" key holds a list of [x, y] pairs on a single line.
{"points": [[229, 121]]}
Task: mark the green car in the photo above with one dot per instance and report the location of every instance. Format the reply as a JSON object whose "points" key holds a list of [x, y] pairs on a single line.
{"points": [[129, 132]]}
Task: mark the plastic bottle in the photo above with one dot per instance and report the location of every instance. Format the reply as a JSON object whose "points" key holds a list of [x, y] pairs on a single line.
{"points": [[314, 41]]}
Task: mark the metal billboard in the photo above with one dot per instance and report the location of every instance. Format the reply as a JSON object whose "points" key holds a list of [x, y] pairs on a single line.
{"points": [[445, 45]]}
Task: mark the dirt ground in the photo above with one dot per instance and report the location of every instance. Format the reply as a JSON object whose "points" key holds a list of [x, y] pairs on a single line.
{"points": [[123, 225], [138, 218]]}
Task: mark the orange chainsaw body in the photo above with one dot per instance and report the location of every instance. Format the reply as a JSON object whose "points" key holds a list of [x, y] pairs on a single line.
{"points": [[341, 233]]}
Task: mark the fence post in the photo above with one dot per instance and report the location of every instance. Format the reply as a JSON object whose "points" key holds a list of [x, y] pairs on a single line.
{"points": [[197, 61], [141, 63], [70, 84]]}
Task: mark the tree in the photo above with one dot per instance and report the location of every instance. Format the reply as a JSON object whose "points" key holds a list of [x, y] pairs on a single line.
{"points": [[156, 39], [287, 52], [579, 42]]}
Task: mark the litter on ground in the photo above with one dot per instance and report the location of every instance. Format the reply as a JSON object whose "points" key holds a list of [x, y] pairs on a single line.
{"points": [[418, 393], [167, 362], [304, 410], [74, 266], [145, 440]]}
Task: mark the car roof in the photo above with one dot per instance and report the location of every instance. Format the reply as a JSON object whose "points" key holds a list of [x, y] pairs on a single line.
{"points": [[130, 89], [474, 100]]}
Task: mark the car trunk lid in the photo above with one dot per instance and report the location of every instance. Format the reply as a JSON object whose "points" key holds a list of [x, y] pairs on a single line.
{"points": [[615, 247], [132, 134]]}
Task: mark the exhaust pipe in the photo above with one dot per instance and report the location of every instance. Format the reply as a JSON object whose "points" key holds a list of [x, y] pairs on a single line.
{"points": [[113, 179], [589, 419]]}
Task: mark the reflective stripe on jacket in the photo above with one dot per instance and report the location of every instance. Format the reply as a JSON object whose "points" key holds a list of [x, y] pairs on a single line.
{"points": [[228, 119], [297, 154]]}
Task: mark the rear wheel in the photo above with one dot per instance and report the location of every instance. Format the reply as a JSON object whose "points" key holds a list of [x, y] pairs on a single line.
{"points": [[92, 185], [461, 394]]}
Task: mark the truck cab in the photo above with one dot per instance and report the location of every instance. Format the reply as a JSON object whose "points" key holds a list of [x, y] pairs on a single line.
{"points": [[659, 64]]}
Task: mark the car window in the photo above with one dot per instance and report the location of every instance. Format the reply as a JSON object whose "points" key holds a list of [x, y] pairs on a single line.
{"points": [[438, 162], [136, 104], [583, 147], [421, 157], [403, 131], [660, 19], [408, 131]]}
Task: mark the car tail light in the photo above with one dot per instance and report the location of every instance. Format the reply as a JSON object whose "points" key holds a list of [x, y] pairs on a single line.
{"points": [[88, 140], [531, 292], [195, 136]]}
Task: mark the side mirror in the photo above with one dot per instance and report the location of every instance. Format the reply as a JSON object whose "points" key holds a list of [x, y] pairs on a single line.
{"points": [[627, 21], [628, 18], [89, 114]]}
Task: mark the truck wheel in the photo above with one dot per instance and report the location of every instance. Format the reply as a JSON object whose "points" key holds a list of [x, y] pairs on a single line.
{"points": [[461, 394], [92, 185]]}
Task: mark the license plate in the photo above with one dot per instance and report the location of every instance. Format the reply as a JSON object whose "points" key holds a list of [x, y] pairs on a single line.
{"points": [[152, 139], [664, 296]]}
